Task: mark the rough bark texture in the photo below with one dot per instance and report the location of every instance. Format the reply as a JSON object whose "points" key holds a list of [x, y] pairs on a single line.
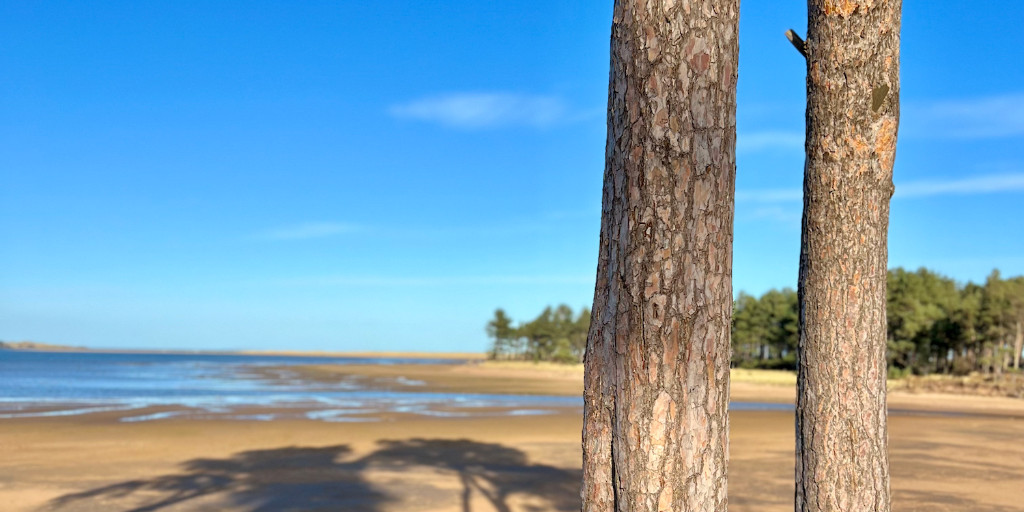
{"points": [[655, 433], [1018, 345], [852, 118]]}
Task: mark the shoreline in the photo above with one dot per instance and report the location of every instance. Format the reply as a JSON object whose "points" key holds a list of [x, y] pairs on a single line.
{"points": [[455, 356], [316, 389], [429, 464], [406, 461], [550, 380], [937, 386]]}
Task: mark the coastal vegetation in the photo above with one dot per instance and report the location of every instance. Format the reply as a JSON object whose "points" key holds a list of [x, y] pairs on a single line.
{"points": [[557, 334], [935, 326]]}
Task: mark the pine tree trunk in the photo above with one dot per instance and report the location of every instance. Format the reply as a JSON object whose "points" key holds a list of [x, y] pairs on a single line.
{"points": [[987, 358], [657, 362], [1001, 357], [852, 117], [1018, 345]]}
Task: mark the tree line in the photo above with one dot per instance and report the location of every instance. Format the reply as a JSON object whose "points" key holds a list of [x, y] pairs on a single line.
{"points": [[557, 334], [935, 325]]}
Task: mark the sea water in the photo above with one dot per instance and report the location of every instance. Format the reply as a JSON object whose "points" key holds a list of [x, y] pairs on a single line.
{"points": [[34, 384], [150, 386]]}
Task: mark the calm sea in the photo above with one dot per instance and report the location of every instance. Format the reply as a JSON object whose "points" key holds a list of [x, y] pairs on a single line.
{"points": [[147, 387]]}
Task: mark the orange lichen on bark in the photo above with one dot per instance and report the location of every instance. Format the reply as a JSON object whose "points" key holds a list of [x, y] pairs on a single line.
{"points": [[885, 143], [841, 7], [859, 146]]}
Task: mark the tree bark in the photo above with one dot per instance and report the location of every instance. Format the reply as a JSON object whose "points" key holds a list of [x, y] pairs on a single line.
{"points": [[852, 51], [655, 433], [1018, 344], [1006, 356]]}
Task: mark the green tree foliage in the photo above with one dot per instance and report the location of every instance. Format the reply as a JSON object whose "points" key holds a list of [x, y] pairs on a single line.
{"points": [[916, 303], [764, 331], [557, 334], [502, 334], [935, 325]]}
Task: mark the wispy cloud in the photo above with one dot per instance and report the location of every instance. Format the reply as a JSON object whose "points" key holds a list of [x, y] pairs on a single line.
{"points": [[592, 213], [485, 110], [976, 185], [1013, 182], [769, 140], [405, 281], [309, 230], [774, 195], [552, 221], [985, 117], [775, 213], [970, 118]]}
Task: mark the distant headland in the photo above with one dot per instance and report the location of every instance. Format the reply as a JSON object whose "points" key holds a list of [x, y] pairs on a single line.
{"points": [[49, 347], [35, 345]]}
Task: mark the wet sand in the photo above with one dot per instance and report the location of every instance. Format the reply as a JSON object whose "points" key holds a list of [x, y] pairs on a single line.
{"points": [[554, 379], [461, 356], [407, 462], [488, 378]]}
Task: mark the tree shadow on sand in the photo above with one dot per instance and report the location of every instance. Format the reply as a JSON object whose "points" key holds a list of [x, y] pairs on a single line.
{"points": [[330, 478], [492, 470]]}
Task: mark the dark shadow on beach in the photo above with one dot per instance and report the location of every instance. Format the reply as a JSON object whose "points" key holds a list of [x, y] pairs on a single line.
{"points": [[331, 478]]}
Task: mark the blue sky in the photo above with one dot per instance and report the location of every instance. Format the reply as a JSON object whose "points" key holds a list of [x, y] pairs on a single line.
{"points": [[383, 175]]}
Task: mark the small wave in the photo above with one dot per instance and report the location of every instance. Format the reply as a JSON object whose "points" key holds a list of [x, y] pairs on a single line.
{"points": [[65, 412], [151, 417]]}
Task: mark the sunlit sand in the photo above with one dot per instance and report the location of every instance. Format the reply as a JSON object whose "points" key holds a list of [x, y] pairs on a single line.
{"points": [[948, 453]]}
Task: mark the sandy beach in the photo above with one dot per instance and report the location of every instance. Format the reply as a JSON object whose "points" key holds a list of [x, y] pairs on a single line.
{"points": [[948, 453]]}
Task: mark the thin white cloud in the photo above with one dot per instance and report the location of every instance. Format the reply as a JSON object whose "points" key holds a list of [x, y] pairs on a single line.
{"points": [[485, 110], [405, 281], [1013, 182], [309, 230], [593, 213], [985, 117], [546, 222], [776, 195], [990, 184], [971, 118], [769, 140], [776, 214], [981, 264]]}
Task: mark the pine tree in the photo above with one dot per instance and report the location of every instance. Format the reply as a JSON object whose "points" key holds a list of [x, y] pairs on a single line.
{"points": [[657, 360], [852, 52]]}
